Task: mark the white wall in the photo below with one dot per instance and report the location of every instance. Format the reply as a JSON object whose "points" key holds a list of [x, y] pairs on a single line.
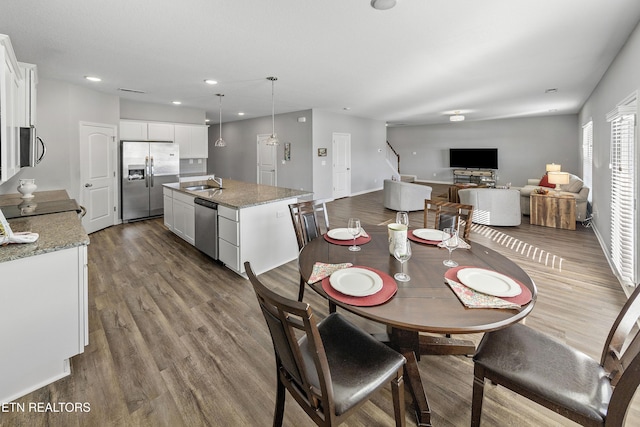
{"points": [[238, 160], [621, 79], [60, 109], [368, 165], [524, 146]]}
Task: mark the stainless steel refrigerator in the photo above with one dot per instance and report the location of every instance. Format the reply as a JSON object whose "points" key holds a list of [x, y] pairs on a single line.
{"points": [[145, 166]]}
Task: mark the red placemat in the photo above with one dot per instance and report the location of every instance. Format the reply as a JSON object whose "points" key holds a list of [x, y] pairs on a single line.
{"points": [[522, 299], [389, 289], [359, 241], [415, 238]]}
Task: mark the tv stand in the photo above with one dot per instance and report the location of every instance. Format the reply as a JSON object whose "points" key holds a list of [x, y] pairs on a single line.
{"points": [[485, 177]]}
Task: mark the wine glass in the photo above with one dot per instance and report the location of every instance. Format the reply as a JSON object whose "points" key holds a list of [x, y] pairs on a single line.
{"points": [[402, 252], [354, 230], [451, 242], [402, 218]]}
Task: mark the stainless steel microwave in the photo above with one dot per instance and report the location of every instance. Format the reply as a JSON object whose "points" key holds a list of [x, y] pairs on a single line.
{"points": [[32, 147]]}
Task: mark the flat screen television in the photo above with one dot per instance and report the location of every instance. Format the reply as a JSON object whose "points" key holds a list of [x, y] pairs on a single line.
{"points": [[482, 158]]}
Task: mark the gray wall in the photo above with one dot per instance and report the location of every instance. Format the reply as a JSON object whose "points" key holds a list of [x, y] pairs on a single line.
{"points": [[621, 79], [238, 160], [368, 164], [60, 109], [524, 146]]}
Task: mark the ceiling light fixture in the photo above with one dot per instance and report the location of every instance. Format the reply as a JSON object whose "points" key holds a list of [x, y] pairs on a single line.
{"points": [[383, 4], [177, 102], [241, 113], [211, 82], [273, 139], [457, 117], [552, 90], [93, 78], [220, 142]]}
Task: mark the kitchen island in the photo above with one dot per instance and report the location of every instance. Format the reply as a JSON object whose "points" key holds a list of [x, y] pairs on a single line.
{"points": [[43, 295], [254, 223]]}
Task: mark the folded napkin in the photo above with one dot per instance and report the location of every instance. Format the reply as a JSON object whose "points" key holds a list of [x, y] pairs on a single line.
{"points": [[473, 299], [322, 270], [362, 233], [461, 244]]}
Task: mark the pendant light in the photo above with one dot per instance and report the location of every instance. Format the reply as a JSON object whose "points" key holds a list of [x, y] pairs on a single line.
{"points": [[220, 142], [273, 139]]}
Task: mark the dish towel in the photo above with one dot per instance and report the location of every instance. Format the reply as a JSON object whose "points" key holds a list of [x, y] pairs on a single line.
{"points": [[461, 245], [322, 270], [474, 299]]}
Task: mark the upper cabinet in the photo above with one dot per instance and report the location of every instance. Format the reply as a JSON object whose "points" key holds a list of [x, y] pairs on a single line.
{"points": [[193, 141], [131, 130], [17, 106]]}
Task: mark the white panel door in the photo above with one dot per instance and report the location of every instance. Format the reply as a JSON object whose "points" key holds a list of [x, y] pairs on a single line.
{"points": [[267, 165], [98, 176], [341, 165]]}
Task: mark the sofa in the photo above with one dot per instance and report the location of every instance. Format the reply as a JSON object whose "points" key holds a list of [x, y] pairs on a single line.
{"points": [[575, 187], [493, 206], [405, 196]]}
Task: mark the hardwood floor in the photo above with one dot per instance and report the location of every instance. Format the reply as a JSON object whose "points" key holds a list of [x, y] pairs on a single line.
{"points": [[178, 340]]}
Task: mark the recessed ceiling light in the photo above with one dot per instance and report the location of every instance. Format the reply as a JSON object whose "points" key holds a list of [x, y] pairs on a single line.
{"points": [[457, 117], [551, 90], [211, 82], [241, 113], [177, 102], [93, 78], [383, 4], [347, 108], [207, 120]]}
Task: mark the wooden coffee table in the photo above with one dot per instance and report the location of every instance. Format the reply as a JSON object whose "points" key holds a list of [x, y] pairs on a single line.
{"points": [[553, 210]]}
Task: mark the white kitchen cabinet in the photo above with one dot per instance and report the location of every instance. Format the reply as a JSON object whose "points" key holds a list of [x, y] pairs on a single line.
{"points": [[26, 109], [193, 141], [261, 234], [134, 130], [161, 131], [10, 78], [184, 216], [168, 207], [43, 318]]}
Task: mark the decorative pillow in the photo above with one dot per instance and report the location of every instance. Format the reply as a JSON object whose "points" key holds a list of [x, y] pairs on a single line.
{"points": [[544, 182], [574, 186]]}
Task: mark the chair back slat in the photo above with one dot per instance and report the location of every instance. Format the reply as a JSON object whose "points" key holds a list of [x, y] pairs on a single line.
{"points": [[284, 317], [448, 214], [310, 220], [622, 346]]}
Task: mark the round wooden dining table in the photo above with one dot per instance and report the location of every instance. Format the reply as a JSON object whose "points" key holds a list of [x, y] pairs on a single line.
{"points": [[423, 304]]}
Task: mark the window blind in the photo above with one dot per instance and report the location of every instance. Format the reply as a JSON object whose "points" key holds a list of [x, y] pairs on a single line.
{"points": [[623, 212], [587, 156]]}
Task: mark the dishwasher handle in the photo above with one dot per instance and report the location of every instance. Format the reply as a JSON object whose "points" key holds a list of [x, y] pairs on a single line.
{"points": [[206, 203]]}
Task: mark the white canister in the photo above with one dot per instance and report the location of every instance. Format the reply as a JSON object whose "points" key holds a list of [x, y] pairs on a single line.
{"points": [[397, 233]]}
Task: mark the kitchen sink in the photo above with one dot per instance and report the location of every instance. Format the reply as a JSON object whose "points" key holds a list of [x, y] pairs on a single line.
{"points": [[201, 187]]}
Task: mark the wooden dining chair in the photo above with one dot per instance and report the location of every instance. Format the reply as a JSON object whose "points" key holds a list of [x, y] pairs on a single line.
{"points": [[310, 220], [561, 378], [440, 215], [333, 367]]}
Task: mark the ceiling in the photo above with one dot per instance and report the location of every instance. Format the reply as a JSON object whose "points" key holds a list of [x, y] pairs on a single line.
{"points": [[414, 64]]}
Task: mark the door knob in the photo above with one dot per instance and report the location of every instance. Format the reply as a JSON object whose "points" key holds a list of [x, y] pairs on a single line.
{"points": [[88, 185]]}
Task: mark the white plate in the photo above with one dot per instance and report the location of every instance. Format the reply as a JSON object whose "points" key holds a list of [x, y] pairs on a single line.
{"points": [[489, 282], [357, 282], [340, 234], [428, 234]]}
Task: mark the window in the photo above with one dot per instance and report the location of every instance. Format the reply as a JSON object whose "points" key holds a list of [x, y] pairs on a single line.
{"points": [[623, 209], [587, 156]]}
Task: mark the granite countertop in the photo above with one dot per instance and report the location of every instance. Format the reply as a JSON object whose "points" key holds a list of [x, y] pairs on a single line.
{"points": [[57, 231], [238, 194]]}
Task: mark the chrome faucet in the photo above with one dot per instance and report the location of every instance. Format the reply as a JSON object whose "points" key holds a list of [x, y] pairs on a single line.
{"points": [[217, 181]]}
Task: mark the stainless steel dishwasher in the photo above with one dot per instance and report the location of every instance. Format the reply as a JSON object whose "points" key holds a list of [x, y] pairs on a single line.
{"points": [[207, 227]]}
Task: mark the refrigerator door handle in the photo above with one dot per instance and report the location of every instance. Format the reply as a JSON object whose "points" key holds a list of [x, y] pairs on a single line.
{"points": [[146, 171], [151, 174]]}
